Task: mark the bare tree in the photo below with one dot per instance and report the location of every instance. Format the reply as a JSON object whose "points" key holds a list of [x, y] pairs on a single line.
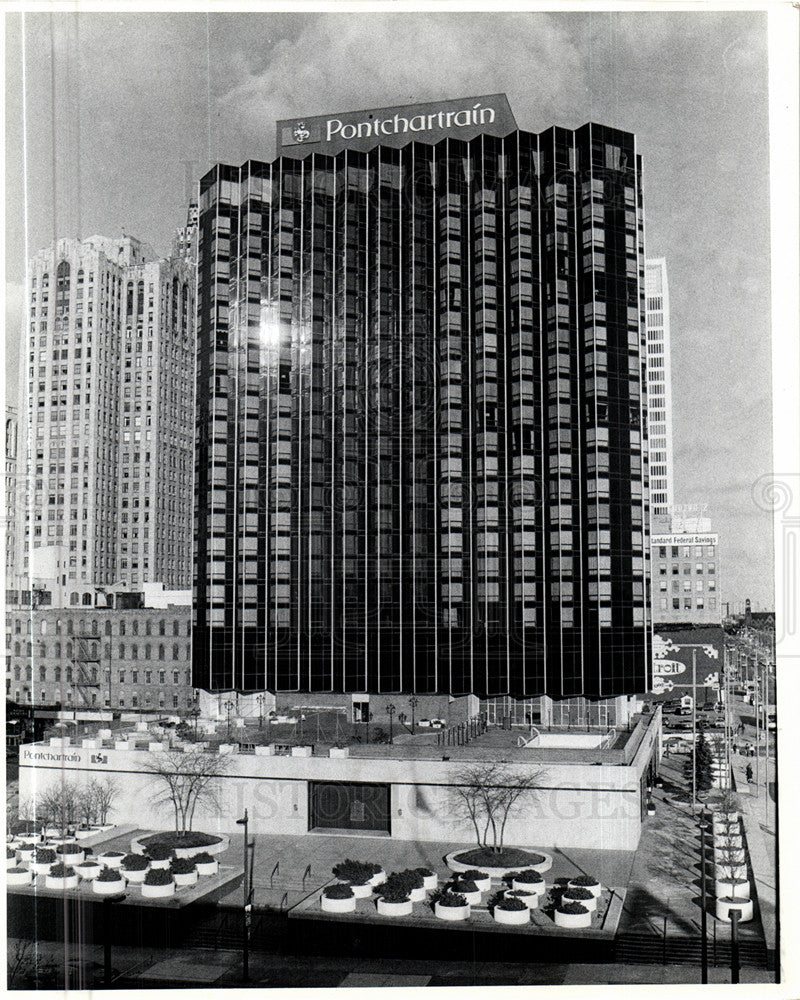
{"points": [[21, 957], [489, 793], [57, 806], [186, 779], [104, 791]]}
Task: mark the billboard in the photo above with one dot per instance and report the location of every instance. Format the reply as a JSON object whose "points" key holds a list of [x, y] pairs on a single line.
{"points": [[463, 118], [672, 662]]}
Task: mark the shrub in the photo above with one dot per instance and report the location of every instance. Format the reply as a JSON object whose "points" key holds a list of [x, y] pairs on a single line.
{"points": [[203, 859], [162, 852], [113, 854], [572, 908], [110, 875], [43, 856], [158, 876], [511, 903], [61, 871], [10, 854], [584, 880], [408, 879], [189, 839], [339, 891], [528, 875], [356, 872], [26, 847], [578, 893], [88, 864], [518, 893], [462, 885], [393, 894], [17, 870], [424, 872], [451, 899], [69, 848], [135, 862], [183, 866], [472, 875]]}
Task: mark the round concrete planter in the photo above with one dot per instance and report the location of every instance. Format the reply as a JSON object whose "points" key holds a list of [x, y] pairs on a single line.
{"points": [[539, 888], [138, 847], [360, 891], [83, 834], [595, 890], [530, 899], [497, 873], [53, 882], [725, 906], [158, 891], [590, 904], [430, 882], [501, 916], [160, 863], [19, 878], [11, 862], [734, 841], [108, 888], [207, 868], [573, 919], [40, 867], [452, 913], [417, 895], [378, 878], [483, 884], [111, 860], [736, 890], [89, 872], [387, 909], [185, 878], [72, 859], [26, 856], [134, 875], [338, 905]]}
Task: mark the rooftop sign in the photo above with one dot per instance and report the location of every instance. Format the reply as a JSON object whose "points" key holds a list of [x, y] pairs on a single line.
{"points": [[463, 118], [684, 539]]}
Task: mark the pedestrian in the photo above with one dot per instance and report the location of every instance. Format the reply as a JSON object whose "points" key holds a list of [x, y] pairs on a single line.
{"points": [[748, 773]]}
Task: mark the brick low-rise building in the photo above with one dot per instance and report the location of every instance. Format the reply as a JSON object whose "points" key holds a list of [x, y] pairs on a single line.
{"points": [[96, 659]]}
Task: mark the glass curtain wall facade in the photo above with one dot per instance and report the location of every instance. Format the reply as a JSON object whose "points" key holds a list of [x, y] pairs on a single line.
{"points": [[421, 424]]}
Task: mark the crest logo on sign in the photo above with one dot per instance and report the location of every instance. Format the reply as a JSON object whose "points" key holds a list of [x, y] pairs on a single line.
{"points": [[300, 132]]}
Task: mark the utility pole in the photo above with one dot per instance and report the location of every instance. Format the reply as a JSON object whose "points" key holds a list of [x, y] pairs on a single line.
{"points": [[694, 729]]}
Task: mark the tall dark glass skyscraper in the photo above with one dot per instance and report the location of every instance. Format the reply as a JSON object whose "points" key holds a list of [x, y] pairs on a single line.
{"points": [[422, 447]]}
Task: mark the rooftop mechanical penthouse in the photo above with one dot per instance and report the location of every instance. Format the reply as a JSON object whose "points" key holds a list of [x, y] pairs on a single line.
{"points": [[422, 446]]}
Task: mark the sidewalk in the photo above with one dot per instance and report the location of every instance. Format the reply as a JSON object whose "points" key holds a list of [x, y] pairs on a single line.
{"points": [[759, 825], [664, 888], [154, 968]]}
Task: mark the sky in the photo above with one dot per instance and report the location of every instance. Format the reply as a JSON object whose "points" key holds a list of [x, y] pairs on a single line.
{"points": [[123, 111]]}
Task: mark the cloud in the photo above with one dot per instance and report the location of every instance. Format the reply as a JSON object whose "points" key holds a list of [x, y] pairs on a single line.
{"points": [[341, 62]]}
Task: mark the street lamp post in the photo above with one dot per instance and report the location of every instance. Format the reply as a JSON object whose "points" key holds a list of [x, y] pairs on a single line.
{"points": [[228, 707], [704, 825], [390, 710], [245, 904], [107, 928], [413, 701]]}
